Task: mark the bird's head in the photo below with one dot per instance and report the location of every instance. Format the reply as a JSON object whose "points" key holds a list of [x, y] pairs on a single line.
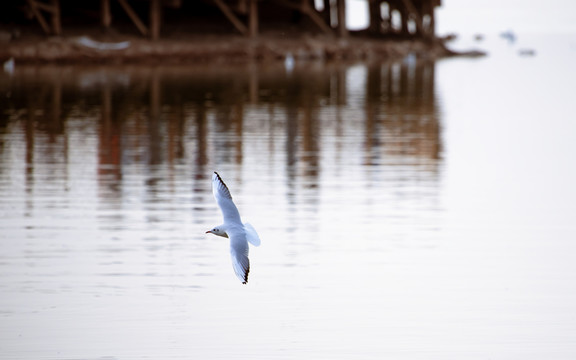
{"points": [[217, 231]]}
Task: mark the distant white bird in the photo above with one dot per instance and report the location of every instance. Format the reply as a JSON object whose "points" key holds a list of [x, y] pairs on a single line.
{"points": [[9, 66], [289, 62], [240, 234]]}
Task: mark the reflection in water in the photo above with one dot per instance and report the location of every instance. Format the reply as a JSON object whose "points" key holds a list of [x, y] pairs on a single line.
{"points": [[105, 192], [376, 242], [391, 91], [154, 135], [323, 137], [173, 116]]}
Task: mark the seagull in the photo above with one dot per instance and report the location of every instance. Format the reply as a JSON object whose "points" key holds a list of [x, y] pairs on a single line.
{"points": [[240, 234]]}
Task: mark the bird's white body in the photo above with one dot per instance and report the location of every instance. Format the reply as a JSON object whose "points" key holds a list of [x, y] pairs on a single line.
{"points": [[233, 228]]}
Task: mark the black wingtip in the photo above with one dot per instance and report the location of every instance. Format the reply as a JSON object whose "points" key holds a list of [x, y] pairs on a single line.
{"points": [[246, 276], [223, 184]]}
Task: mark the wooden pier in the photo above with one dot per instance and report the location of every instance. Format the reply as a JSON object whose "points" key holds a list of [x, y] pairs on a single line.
{"points": [[408, 18]]}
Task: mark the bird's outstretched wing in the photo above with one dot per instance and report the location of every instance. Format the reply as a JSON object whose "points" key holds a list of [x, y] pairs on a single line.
{"points": [[251, 234], [239, 254], [224, 200]]}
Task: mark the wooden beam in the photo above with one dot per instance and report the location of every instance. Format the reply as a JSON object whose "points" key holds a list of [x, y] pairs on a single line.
{"points": [[155, 18], [411, 10], [39, 16], [375, 18], [341, 11], [428, 9], [53, 9], [253, 18], [327, 12], [105, 13], [316, 18], [305, 8], [432, 26], [230, 15], [134, 17], [56, 24]]}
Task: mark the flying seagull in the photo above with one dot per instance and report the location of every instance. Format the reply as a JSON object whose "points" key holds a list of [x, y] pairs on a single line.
{"points": [[240, 234]]}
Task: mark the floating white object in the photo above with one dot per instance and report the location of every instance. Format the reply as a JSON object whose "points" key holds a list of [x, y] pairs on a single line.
{"points": [[93, 44], [289, 62], [9, 66], [233, 228]]}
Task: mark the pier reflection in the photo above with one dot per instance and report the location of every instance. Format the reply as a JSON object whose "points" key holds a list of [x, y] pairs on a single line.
{"points": [[160, 119]]}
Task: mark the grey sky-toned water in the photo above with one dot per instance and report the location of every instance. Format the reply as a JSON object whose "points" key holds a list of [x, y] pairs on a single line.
{"points": [[406, 210]]}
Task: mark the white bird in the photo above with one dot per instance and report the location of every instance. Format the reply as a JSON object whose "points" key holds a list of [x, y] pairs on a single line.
{"points": [[9, 66], [233, 228]]}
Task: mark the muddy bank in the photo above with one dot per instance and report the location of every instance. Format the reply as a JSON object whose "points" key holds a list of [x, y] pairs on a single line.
{"points": [[214, 48]]}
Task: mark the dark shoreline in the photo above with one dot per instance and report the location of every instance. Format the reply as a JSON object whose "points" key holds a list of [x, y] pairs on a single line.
{"points": [[217, 49]]}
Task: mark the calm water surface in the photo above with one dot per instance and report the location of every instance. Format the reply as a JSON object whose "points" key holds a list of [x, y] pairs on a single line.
{"points": [[406, 210]]}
